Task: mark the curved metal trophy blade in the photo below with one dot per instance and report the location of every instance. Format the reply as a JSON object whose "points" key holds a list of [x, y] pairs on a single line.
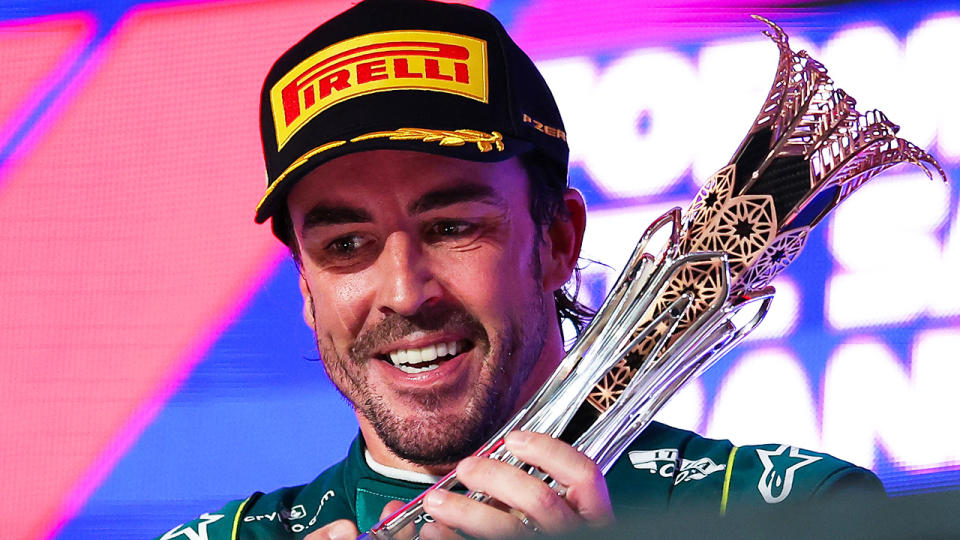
{"points": [[670, 316]]}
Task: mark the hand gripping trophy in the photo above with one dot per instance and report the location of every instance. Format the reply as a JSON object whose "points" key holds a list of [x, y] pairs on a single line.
{"points": [[672, 315]]}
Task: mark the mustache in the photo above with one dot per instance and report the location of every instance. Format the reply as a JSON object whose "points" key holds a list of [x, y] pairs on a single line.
{"points": [[439, 317]]}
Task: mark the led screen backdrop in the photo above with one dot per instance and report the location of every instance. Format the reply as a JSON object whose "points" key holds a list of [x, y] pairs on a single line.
{"points": [[154, 360]]}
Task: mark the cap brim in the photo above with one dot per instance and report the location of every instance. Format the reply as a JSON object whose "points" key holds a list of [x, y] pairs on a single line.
{"points": [[275, 199]]}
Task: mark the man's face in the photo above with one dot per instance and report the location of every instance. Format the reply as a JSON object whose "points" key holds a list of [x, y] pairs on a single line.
{"points": [[427, 296]]}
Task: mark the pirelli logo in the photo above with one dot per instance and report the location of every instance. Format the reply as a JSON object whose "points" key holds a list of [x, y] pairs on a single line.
{"points": [[379, 62]]}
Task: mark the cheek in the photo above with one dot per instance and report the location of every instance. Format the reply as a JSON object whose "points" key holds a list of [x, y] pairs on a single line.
{"points": [[341, 307], [488, 281]]}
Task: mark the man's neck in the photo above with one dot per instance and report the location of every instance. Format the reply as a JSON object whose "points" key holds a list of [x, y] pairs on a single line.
{"points": [[384, 456], [399, 474]]}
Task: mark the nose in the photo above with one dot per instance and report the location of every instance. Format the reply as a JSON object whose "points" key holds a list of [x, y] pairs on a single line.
{"points": [[407, 280]]}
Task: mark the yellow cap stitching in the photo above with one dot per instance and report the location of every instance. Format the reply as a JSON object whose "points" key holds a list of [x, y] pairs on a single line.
{"points": [[485, 142], [296, 164]]}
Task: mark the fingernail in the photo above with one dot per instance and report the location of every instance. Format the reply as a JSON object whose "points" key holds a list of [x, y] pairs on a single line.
{"points": [[518, 439], [435, 497], [467, 465]]}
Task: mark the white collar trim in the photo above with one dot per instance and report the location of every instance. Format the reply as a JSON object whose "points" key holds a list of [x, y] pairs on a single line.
{"points": [[400, 474]]}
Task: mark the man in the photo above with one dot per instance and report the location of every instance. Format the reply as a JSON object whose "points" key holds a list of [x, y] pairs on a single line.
{"points": [[416, 166]]}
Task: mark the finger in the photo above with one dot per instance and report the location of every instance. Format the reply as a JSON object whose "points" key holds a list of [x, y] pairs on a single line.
{"points": [[518, 490], [455, 511], [586, 489], [438, 531], [408, 530], [390, 508], [342, 529]]}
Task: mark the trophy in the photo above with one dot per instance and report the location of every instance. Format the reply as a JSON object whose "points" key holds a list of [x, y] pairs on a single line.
{"points": [[671, 315]]}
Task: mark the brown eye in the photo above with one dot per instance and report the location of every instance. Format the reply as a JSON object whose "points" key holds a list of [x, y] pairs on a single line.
{"points": [[452, 229], [346, 245]]}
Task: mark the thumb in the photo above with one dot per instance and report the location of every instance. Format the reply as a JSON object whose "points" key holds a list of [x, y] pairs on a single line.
{"points": [[341, 529]]}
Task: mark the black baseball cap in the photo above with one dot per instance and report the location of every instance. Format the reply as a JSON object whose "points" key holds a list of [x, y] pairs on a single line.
{"points": [[403, 74]]}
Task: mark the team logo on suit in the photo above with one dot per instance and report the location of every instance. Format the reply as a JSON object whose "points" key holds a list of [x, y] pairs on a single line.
{"points": [[779, 469], [664, 462]]}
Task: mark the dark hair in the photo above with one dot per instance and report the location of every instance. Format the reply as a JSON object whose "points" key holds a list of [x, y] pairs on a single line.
{"points": [[546, 188], [547, 185]]}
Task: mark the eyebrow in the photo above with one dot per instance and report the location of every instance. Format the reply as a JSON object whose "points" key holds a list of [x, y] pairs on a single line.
{"points": [[334, 215], [463, 192], [321, 215]]}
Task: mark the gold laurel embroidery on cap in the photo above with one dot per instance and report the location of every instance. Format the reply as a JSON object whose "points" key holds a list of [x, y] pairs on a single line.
{"points": [[485, 141], [296, 164]]}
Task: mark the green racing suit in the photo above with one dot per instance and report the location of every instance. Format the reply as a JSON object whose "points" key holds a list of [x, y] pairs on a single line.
{"points": [[664, 469]]}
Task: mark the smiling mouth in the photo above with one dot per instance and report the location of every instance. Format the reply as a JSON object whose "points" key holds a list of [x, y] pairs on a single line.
{"points": [[428, 358]]}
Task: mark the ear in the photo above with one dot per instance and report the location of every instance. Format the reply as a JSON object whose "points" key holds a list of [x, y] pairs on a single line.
{"points": [[308, 308], [563, 241]]}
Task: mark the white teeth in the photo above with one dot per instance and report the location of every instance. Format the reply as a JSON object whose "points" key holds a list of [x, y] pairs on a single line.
{"points": [[421, 355], [428, 353], [409, 369]]}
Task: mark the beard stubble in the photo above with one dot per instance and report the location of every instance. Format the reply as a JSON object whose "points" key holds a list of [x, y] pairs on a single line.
{"points": [[432, 437]]}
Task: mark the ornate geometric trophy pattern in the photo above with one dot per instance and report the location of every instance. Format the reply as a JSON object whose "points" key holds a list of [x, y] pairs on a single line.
{"points": [[670, 316]]}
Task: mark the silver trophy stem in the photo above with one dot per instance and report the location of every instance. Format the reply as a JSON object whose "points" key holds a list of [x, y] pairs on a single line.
{"points": [[669, 317]]}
